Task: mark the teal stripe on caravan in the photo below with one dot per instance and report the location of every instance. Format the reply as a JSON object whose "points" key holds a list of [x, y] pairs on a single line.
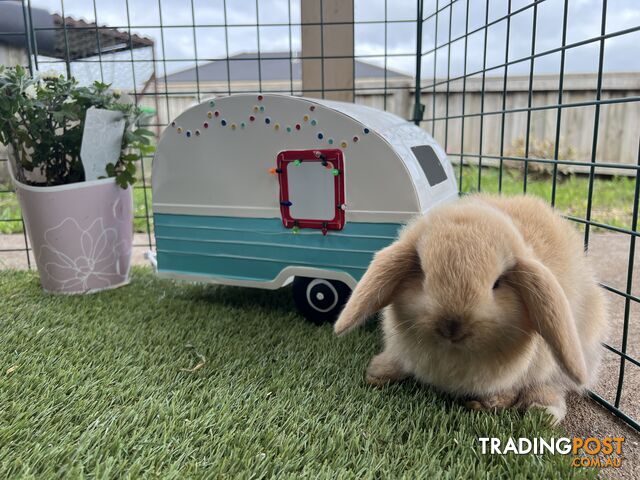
{"points": [[258, 249], [270, 225]]}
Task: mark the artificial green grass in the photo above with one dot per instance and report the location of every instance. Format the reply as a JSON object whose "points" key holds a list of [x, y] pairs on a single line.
{"points": [[94, 386]]}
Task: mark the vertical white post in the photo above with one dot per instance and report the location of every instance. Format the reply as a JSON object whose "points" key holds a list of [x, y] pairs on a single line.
{"points": [[327, 37]]}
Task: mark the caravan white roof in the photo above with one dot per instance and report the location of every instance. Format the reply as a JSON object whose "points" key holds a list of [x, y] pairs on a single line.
{"points": [[214, 159]]}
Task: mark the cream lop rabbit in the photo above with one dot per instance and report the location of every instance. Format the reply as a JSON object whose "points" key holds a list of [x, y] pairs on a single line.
{"points": [[490, 299]]}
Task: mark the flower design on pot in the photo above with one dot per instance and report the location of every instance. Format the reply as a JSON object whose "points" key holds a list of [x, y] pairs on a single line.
{"points": [[79, 260]]}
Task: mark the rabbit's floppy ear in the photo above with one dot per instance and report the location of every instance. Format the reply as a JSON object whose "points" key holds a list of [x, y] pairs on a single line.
{"points": [[375, 290], [550, 315]]}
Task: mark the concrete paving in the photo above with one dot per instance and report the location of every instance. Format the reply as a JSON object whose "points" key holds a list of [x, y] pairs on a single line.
{"points": [[610, 255]]}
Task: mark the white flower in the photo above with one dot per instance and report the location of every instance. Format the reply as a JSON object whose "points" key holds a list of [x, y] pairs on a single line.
{"points": [[49, 74], [31, 91], [69, 100], [83, 259], [117, 92]]}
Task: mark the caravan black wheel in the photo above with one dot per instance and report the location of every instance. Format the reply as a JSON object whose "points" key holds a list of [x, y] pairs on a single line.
{"points": [[319, 300]]}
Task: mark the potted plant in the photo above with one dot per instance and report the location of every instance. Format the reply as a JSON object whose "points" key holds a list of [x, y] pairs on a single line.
{"points": [[81, 231]]}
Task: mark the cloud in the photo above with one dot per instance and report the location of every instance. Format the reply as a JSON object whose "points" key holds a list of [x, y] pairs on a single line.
{"points": [[186, 32]]}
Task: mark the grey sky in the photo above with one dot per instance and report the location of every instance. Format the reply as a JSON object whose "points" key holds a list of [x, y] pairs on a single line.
{"points": [[179, 45]]}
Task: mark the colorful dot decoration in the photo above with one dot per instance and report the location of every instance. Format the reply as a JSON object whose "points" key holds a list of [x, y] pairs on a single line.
{"points": [[173, 124], [267, 120], [260, 98], [335, 172], [297, 162]]}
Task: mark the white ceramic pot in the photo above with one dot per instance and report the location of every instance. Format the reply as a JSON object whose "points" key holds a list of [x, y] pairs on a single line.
{"points": [[81, 233]]}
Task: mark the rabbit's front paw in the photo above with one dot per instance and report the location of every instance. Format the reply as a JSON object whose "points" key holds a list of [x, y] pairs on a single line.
{"points": [[493, 402], [384, 369], [549, 398]]}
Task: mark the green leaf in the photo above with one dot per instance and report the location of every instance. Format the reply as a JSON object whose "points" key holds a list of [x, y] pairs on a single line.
{"points": [[46, 133], [144, 140], [147, 149], [144, 131]]}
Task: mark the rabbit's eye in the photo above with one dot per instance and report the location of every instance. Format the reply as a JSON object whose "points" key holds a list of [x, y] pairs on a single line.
{"points": [[497, 283]]}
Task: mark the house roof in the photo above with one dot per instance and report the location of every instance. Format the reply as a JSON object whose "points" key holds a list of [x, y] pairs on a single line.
{"points": [[82, 39], [274, 66], [87, 39]]}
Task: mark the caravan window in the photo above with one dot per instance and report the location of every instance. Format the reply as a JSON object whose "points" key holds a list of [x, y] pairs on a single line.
{"points": [[430, 163], [312, 189]]}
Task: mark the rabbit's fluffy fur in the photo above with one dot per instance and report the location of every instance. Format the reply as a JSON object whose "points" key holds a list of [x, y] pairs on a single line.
{"points": [[490, 299]]}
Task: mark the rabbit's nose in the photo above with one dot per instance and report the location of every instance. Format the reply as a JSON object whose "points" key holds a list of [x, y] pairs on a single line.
{"points": [[451, 328]]}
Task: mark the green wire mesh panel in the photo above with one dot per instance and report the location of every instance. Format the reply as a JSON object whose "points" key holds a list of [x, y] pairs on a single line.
{"points": [[525, 96]]}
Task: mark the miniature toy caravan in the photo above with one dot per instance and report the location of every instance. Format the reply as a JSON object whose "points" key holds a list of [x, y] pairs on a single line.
{"points": [[256, 190]]}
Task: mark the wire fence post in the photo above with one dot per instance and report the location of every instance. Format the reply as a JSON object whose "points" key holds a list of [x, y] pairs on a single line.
{"points": [[418, 107]]}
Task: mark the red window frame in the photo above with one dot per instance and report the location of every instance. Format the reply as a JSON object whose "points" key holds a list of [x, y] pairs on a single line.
{"points": [[335, 159]]}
